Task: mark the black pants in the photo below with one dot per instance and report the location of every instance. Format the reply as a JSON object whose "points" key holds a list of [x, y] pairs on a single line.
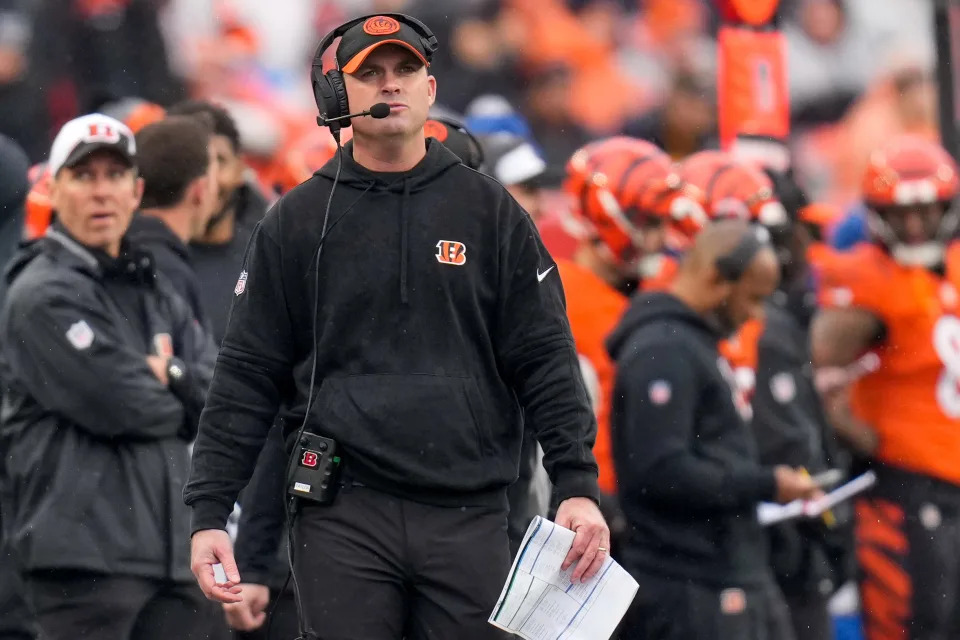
{"points": [[375, 567], [72, 604], [908, 551], [665, 609], [283, 626]]}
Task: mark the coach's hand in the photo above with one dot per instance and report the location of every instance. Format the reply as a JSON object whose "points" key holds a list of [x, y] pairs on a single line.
{"points": [[210, 547], [592, 544], [250, 614]]}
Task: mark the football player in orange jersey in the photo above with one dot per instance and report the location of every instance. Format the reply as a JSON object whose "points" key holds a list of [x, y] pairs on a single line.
{"points": [[897, 296], [625, 192]]}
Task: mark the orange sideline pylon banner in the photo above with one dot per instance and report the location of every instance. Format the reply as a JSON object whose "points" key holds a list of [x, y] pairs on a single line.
{"points": [[752, 93]]}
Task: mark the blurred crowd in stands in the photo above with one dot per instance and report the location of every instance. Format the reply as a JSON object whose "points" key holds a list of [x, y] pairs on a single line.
{"points": [[559, 72]]}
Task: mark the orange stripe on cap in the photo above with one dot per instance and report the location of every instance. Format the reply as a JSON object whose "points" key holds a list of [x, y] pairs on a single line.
{"points": [[354, 63]]}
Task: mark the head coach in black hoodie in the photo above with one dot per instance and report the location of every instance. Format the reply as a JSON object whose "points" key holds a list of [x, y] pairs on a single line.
{"points": [[689, 477], [419, 325]]}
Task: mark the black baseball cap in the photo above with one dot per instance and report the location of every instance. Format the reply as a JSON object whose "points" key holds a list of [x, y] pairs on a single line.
{"points": [[360, 40]]}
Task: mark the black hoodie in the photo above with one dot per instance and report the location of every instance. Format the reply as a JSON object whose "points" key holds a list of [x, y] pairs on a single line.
{"points": [[13, 193], [440, 315], [172, 258], [685, 459]]}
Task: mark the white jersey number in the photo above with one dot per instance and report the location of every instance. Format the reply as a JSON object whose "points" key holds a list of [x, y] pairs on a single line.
{"points": [[946, 342]]}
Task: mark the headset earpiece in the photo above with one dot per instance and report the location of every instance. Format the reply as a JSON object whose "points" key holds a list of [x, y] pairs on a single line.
{"points": [[334, 94], [330, 93], [735, 263]]}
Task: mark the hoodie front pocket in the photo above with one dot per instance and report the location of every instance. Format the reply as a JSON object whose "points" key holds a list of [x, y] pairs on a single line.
{"points": [[420, 427]]}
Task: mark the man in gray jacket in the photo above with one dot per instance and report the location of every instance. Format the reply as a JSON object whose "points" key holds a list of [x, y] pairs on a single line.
{"points": [[105, 372]]}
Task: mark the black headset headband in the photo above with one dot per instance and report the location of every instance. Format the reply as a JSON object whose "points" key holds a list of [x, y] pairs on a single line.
{"points": [[733, 265], [428, 40]]}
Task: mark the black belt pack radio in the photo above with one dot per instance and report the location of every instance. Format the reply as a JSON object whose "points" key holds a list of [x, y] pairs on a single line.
{"points": [[316, 474]]}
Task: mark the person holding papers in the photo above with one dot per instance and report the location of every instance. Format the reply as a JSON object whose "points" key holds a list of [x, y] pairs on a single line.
{"points": [[689, 479]]}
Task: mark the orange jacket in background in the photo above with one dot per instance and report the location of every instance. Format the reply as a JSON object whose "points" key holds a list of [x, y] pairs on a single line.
{"points": [[594, 308]]}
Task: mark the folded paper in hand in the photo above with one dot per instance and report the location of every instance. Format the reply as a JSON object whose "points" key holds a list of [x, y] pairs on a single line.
{"points": [[538, 601], [769, 513]]}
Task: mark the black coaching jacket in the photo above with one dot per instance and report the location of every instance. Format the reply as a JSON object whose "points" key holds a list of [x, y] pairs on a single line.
{"points": [[96, 447], [687, 464]]}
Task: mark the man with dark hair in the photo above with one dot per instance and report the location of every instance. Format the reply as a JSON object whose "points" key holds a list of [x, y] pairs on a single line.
{"points": [[178, 166], [222, 122], [218, 253]]}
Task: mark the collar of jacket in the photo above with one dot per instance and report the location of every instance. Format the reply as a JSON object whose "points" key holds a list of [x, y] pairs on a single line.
{"points": [[72, 252], [145, 229], [132, 264]]}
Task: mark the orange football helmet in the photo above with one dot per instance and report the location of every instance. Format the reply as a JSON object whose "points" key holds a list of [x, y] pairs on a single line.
{"points": [[910, 170], [730, 188], [908, 187], [622, 185], [580, 166]]}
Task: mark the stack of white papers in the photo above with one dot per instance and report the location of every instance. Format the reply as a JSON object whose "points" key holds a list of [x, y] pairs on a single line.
{"points": [[538, 601], [769, 513]]}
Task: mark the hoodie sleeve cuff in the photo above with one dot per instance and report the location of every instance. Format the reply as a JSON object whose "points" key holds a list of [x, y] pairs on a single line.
{"points": [[577, 484], [755, 485], [208, 514]]}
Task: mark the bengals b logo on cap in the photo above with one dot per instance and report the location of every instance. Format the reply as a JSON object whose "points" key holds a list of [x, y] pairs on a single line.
{"points": [[451, 252], [381, 26]]}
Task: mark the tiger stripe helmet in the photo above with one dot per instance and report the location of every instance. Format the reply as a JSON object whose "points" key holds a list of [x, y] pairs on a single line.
{"points": [[730, 188], [904, 182], [621, 184], [582, 162]]}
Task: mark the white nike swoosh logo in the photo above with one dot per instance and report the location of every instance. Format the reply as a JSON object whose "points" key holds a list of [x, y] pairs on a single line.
{"points": [[541, 276]]}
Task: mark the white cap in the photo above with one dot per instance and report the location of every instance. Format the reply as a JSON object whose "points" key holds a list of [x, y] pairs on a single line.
{"points": [[512, 160], [86, 134]]}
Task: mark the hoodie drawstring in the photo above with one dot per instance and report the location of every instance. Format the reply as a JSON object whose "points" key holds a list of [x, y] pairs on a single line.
{"points": [[404, 233]]}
